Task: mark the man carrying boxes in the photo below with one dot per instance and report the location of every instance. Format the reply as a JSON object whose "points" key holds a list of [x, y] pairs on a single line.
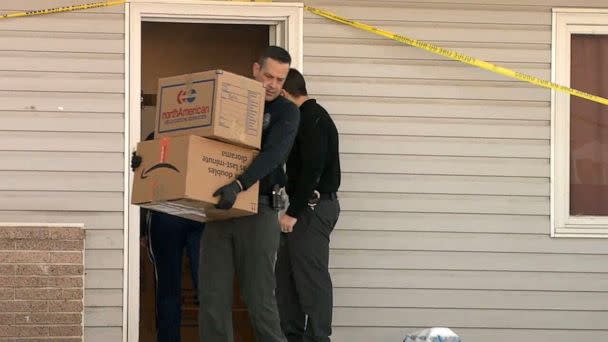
{"points": [[248, 245], [227, 185], [181, 171]]}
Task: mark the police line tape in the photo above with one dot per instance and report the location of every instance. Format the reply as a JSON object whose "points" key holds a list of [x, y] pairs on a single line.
{"points": [[402, 39], [77, 8], [63, 9], [457, 56]]}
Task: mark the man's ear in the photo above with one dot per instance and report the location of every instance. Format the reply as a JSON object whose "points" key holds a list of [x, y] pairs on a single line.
{"points": [[287, 95], [256, 69]]}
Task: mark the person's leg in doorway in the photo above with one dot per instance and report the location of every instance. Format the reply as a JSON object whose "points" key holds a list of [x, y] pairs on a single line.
{"points": [[167, 240], [193, 248], [256, 245]]}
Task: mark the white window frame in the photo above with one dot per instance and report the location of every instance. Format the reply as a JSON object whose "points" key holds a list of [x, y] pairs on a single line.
{"points": [[568, 21], [285, 22]]}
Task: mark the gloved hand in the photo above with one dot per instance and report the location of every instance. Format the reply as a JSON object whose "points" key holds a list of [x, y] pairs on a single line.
{"points": [[135, 161], [227, 195]]}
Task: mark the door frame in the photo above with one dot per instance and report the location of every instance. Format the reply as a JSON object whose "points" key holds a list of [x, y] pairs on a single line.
{"points": [[286, 30]]}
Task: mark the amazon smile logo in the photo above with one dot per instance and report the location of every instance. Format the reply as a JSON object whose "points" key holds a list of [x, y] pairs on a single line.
{"points": [[144, 173]]}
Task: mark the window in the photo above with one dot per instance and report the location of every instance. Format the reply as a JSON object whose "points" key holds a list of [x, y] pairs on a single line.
{"points": [[579, 197]]}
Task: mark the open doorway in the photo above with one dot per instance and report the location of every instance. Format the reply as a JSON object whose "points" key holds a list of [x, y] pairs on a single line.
{"points": [[281, 24], [168, 49]]}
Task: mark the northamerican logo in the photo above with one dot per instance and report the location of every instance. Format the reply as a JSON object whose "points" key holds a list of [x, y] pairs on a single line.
{"points": [[144, 173], [184, 96]]}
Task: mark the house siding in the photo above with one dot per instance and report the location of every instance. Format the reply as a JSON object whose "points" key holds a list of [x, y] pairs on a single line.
{"points": [[62, 139], [446, 177], [445, 199]]}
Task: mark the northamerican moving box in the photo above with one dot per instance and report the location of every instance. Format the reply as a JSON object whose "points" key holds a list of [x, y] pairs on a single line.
{"points": [[214, 104], [178, 176]]}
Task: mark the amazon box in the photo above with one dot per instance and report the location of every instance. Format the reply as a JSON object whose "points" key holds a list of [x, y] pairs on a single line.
{"points": [[216, 104], [178, 176]]}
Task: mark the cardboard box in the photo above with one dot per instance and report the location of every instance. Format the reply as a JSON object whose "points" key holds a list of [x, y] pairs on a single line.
{"points": [[179, 175], [214, 104]]}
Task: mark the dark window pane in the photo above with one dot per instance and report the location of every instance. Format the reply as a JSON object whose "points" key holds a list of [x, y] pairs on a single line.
{"points": [[589, 127]]}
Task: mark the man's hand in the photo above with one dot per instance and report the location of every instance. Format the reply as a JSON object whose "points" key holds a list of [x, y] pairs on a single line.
{"points": [[227, 195], [287, 222], [135, 161]]}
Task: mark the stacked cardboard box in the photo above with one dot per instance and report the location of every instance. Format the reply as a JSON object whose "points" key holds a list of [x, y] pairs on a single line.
{"points": [[208, 129]]}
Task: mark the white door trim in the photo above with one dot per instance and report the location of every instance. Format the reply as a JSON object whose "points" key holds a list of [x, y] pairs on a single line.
{"points": [[285, 19]]}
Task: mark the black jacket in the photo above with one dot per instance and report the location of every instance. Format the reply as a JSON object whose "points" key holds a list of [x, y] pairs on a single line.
{"points": [[314, 161]]}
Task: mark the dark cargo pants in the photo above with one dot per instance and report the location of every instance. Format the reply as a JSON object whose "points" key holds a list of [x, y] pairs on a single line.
{"points": [[247, 246], [304, 287]]}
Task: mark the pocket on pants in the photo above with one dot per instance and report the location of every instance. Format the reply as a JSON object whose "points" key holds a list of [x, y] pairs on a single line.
{"points": [[326, 213]]}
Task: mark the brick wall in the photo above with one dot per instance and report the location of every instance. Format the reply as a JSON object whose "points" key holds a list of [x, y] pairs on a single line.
{"points": [[41, 283]]}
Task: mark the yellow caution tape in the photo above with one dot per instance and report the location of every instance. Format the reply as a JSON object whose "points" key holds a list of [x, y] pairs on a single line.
{"points": [[416, 43], [458, 56], [81, 7], [63, 9]]}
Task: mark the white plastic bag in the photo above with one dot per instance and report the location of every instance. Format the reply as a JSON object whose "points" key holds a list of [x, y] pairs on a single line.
{"points": [[433, 335]]}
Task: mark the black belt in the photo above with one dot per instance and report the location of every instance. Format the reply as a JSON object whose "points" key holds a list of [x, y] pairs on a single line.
{"points": [[265, 200], [328, 196]]}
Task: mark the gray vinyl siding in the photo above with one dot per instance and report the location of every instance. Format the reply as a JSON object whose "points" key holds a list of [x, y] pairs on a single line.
{"points": [[445, 196], [446, 168], [62, 139]]}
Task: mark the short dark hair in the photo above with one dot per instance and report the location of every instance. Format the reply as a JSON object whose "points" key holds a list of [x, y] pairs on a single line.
{"points": [[277, 53], [295, 83]]}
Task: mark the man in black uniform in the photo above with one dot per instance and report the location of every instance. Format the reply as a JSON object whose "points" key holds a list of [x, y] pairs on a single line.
{"points": [[248, 245], [304, 288]]}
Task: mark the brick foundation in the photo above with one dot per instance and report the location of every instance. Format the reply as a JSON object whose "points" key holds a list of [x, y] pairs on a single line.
{"points": [[41, 283]]}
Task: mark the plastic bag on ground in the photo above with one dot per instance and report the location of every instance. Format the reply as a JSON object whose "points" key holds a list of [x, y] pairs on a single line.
{"points": [[433, 335]]}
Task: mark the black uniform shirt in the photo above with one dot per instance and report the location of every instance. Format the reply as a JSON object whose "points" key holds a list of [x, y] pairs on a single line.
{"points": [[314, 161], [281, 120]]}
